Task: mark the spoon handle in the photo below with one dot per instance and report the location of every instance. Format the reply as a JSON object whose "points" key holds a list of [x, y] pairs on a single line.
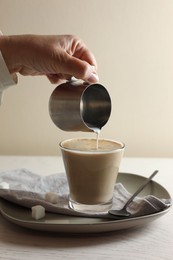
{"points": [[140, 188]]}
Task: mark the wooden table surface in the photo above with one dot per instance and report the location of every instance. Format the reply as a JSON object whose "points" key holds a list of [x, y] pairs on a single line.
{"points": [[153, 241]]}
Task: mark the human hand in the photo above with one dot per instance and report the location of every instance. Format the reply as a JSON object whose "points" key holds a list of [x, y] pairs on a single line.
{"points": [[57, 57]]}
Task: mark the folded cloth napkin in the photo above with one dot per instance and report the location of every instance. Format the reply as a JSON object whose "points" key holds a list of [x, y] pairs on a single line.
{"points": [[29, 189]]}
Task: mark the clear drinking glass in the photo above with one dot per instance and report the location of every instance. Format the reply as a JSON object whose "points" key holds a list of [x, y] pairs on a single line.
{"points": [[91, 172]]}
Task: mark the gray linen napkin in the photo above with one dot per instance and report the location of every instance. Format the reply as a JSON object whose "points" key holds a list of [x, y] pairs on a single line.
{"points": [[29, 189]]}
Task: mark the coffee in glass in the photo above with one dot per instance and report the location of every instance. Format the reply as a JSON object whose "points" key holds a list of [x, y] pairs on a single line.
{"points": [[91, 172]]}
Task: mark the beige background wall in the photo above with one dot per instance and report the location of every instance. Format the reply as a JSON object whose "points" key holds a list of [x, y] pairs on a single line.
{"points": [[133, 44]]}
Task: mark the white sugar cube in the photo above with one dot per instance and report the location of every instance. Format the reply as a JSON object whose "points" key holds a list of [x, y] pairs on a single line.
{"points": [[4, 185], [38, 212], [52, 197]]}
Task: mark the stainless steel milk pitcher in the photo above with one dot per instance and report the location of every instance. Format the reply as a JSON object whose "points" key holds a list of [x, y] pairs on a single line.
{"points": [[79, 106]]}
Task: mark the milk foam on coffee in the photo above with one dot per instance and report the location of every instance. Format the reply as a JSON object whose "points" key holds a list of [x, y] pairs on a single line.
{"points": [[91, 145]]}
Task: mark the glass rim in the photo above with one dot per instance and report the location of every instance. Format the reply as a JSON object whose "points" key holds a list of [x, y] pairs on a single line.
{"points": [[93, 151]]}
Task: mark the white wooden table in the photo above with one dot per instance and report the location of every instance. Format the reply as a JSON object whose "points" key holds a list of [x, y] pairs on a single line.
{"points": [[151, 242]]}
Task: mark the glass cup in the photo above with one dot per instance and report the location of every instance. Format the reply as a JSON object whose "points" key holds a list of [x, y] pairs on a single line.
{"points": [[91, 172]]}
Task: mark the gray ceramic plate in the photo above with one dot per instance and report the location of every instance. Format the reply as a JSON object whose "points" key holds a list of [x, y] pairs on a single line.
{"points": [[69, 224]]}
